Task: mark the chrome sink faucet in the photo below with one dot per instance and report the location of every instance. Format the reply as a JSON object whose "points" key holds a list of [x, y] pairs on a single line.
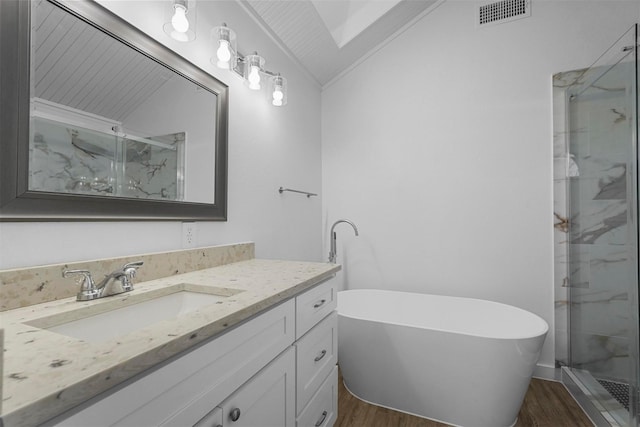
{"points": [[334, 251], [89, 290]]}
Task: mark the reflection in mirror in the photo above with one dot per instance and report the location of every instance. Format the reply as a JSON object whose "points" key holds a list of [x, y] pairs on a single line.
{"points": [[107, 120], [101, 122]]}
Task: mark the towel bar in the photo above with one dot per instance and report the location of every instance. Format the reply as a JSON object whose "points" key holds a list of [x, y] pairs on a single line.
{"points": [[282, 190]]}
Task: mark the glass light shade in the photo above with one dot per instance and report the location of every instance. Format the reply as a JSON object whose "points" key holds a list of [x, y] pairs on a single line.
{"points": [[254, 64], [224, 41], [277, 91], [180, 20]]}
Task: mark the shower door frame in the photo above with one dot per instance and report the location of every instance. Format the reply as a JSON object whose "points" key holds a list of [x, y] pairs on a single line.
{"points": [[595, 406]]}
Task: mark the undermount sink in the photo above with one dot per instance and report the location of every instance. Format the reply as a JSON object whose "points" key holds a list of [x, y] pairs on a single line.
{"points": [[122, 316]]}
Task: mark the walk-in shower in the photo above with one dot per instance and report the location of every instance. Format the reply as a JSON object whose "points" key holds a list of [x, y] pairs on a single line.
{"points": [[596, 230]]}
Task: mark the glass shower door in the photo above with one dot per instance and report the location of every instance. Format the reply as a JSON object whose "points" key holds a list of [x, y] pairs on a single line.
{"points": [[602, 202]]}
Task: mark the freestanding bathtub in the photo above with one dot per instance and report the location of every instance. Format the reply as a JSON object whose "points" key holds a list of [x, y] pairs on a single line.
{"points": [[460, 361]]}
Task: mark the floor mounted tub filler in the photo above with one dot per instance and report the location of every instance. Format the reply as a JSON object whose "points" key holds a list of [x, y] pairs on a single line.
{"points": [[461, 361]]}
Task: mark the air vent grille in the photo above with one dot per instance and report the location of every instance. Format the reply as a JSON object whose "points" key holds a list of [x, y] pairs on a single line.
{"points": [[503, 11]]}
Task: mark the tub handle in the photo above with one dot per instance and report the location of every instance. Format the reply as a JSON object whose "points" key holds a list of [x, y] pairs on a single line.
{"points": [[322, 418], [319, 304], [319, 357], [235, 414]]}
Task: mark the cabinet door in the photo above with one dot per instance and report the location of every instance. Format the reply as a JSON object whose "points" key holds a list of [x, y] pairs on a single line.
{"points": [[267, 399], [212, 419]]}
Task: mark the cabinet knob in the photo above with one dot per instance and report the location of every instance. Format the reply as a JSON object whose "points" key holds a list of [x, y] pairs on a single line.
{"points": [[235, 414]]}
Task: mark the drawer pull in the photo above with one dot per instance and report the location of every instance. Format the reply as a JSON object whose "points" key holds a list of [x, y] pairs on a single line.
{"points": [[235, 414], [320, 356], [322, 418], [320, 304]]}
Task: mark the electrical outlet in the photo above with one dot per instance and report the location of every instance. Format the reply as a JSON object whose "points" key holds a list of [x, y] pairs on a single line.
{"points": [[188, 234]]}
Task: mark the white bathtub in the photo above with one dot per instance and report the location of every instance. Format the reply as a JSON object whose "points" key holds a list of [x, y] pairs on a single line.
{"points": [[460, 361]]}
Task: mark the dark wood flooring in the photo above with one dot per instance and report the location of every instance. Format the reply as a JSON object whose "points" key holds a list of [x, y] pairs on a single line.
{"points": [[546, 404]]}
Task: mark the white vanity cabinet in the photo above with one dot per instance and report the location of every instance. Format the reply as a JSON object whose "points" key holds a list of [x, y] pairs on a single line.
{"points": [[266, 400], [316, 356], [277, 369]]}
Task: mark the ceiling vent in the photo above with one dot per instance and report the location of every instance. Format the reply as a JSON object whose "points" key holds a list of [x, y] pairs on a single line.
{"points": [[502, 11]]}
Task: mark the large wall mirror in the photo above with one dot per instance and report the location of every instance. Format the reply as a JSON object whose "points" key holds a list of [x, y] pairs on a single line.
{"points": [[100, 122]]}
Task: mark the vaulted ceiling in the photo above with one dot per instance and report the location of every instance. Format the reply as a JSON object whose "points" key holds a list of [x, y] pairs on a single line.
{"points": [[328, 36], [80, 67], [325, 36]]}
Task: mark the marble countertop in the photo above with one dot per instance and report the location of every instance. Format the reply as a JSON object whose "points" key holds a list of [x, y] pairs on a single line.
{"points": [[46, 373]]}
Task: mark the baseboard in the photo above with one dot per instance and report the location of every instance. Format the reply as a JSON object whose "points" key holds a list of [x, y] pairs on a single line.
{"points": [[547, 372]]}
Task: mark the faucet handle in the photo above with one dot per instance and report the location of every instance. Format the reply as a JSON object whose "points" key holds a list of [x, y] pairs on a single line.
{"points": [[86, 280], [131, 268], [129, 271], [88, 289]]}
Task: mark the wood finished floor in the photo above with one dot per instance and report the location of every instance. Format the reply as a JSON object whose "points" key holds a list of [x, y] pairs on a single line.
{"points": [[546, 404]]}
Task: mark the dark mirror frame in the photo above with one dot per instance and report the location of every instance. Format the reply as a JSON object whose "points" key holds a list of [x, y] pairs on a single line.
{"points": [[17, 202]]}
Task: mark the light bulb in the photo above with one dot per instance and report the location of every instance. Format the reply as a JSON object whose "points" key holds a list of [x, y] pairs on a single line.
{"points": [[224, 53], [279, 87], [254, 78], [179, 20], [278, 96]]}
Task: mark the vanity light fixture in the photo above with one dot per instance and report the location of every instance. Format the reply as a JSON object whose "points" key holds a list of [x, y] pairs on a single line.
{"points": [[181, 20], [226, 52], [250, 67], [253, 66], [278, 90]]}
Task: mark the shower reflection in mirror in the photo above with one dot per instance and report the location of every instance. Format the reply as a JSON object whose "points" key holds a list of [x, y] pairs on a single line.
{"points": [[66, 157], [116, 123]]}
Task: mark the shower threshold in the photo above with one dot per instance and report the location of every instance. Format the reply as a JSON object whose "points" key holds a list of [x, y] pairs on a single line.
{"points": [[600, 405]]}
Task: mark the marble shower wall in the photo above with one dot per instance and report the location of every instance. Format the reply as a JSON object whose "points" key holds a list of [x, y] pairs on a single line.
{"points": [[70, 159], [592, 245]]}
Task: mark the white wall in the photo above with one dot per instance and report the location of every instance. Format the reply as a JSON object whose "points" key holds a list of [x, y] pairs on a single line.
{"points": [[268, 148], [176, 107], [439, 147]]}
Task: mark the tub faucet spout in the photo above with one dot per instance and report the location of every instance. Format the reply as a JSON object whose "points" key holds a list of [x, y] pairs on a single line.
{"points": [[333, 252]]}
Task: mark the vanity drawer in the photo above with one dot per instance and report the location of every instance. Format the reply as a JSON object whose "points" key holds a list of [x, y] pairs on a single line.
{"points": [[322, 411], [316, 356], [314, 305]]}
